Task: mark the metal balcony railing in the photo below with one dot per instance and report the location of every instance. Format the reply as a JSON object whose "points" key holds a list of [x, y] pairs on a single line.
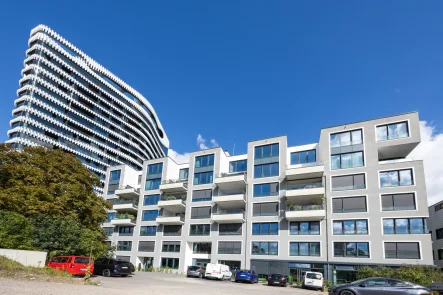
{"points": [[304, 186], [231, 211]]}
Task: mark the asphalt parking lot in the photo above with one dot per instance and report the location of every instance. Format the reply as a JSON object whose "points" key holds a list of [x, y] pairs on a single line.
{"points": [[148, 283]]}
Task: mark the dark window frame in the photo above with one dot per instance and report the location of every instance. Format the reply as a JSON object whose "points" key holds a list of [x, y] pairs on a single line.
{"points": [[310, 225], [342, 204], [398, 177], [310, 245], [298, 156], [269, 231], [345, 251], [260, 148], [205, 230], [393, 201], [397, 251], [353, 181], [423, 222], [355, 227], [260, 247]]}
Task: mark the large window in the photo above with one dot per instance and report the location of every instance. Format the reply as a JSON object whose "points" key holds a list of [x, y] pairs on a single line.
{"points": [[396, 178], [202, 195], [346, 138], [169, 246], [149, 215], [203, 177], [303, 157], [266, 170], [349, 204], [111, 216], [439, 233], [351, 249], [172, 230], [202, 248], [348, 160], [204, 161], [200, 212], [114, 177], [146, 246], [266, 151], [265, 209], [392, 131], [155, 168], [238, 166], [200, 230], [109, 230], [151, 200], [264, 248], [397, 202], [440, 254], [230, 229], [404, 250], [304, 228], [265, 228], [170, 262], [266, 189], [404, 226], [304, 249], [148, 230], [183, 174], [152, 184], [348, 182], [438, 207], [350, 227], [229, 247], [126, 231], [124, 246]]}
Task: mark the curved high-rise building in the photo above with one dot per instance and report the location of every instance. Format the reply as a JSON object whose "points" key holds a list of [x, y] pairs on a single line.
{"points": [[67, 100]]}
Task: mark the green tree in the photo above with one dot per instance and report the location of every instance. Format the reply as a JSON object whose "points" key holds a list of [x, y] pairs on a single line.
{"points": [[15, 232], [54, 183], [66, 237]]}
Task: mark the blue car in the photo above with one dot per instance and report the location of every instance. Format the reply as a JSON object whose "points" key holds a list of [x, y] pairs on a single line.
{"points": [[246, 276]]}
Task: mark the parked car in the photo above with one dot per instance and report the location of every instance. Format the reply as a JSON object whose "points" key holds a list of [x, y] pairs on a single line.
{"points": [[195, 271], [75, 265], [379, 286], [246, 276], [313, 280], [109, 267], [277, 280], [217, 271]]}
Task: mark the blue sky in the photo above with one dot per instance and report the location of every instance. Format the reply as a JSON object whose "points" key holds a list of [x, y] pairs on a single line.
{"points": [[236, 71]]}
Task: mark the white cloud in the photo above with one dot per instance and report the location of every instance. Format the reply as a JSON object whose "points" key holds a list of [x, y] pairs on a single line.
{"points": [[430, 150], [201, 142], [177, 157]]}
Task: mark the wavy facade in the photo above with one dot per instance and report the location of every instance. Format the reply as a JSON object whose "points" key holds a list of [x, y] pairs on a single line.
{"points": [[67, 100]]}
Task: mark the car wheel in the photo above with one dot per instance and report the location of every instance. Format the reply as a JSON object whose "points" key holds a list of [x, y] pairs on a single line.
{"points": [[322, 289], [347, 292], [124, 275], [106, 273]]}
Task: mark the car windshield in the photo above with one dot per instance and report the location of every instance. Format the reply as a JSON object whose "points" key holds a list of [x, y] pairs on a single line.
{"points": [[121, 262], [315, 276], [193, 268], [244, 270], [358, 282], [83, 260]]}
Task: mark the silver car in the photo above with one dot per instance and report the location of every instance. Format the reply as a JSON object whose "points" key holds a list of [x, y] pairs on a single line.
{"points": [[379, 286], [195, 271]]}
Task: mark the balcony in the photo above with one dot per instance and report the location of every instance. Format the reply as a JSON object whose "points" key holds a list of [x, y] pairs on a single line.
{"points": [[305, 212], [174, 204], [229, 216], [178, 220], [122, 205], [305, 191], [128, 192], [123, 221], [174, 186], [305, 171], [231, 181], [230, 200]]}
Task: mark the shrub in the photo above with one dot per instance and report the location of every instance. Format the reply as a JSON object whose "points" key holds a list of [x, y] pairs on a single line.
{"points": [[417, 274], [298, 281], [327, 284], [291, 280], [139, 268]]}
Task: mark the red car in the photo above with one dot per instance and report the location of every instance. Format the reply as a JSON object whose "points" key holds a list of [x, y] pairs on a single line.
{"points": [[75, 265]]}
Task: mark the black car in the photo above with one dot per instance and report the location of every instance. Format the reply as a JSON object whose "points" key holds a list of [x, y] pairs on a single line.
{"points": [[375, 286], [112, 267], [277, 280]]}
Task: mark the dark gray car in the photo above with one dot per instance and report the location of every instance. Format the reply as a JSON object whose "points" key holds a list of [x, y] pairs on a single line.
{"points": [[195, 271], [379, 286]]}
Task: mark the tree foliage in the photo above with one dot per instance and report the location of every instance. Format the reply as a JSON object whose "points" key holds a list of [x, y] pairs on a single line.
{"points": [[417, 274], [15, 232], [54, 183]]}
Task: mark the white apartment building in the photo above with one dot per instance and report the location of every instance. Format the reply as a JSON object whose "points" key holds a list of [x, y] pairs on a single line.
{"points": [[353, 198], [67, 100]]}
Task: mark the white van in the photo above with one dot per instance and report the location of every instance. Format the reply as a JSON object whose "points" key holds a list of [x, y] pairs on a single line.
{"points": [[217, 271], [313, 280]]}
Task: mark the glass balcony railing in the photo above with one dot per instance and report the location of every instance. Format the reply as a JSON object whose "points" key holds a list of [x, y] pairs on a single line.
{"points": [[305, 207], [221, 175], [230, 193], [304, 186], [171, 181], [123, 202], [231, 211], [182, 217], [172, 198]]}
